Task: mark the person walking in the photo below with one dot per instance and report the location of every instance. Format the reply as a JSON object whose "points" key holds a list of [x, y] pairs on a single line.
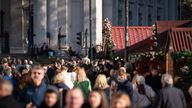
{"points": [[169, 96]]}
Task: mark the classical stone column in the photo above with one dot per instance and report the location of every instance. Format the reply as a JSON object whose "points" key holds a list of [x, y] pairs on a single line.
{"points": [[86, 19], [52, 23], [40, 22], [16, 36], [96, 13], [97, 22], [62, 15]]}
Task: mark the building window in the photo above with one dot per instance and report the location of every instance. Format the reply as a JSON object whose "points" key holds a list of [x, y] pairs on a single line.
{"points": [[130, 18], [120, 17], [120, 12], [149, 19], [121, 5], [140, 19], [121, 0], [151, 1]]}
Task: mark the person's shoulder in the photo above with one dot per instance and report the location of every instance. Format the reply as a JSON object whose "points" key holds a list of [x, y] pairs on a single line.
{"points": [[62, 85], [10, 102], [161, 91], [15, 103], [148, 87], [87, 80], [127, 82], [29, 86], [178, 90], [168, 89], [107, 89]]}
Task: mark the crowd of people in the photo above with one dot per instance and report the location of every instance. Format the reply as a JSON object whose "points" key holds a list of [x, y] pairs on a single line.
{"points": [[81, 83]]}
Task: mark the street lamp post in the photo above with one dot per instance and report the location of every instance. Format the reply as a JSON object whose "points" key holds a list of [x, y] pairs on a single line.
{"points": [[126, 31], [86, 41], [2, 21], [90, 30], [30, 28]]}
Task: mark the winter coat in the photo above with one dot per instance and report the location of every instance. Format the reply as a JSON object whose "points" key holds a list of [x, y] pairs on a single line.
{"points": [[170, 97], [9, 102], [85, 87], [35, 94], [144, 100]]}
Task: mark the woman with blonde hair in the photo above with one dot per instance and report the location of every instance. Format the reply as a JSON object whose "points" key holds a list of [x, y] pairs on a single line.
{"points": [[59, 81], [82, 82], [120, 100], [101, 84]]}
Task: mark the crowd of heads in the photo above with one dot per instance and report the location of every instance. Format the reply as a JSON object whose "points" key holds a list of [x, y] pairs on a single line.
{"points": [[80, 83]]}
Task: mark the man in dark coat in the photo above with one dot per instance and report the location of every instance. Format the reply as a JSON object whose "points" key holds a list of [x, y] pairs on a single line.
{"points": [[169, 96], [154, 80], [6, 100], [34, 93]]}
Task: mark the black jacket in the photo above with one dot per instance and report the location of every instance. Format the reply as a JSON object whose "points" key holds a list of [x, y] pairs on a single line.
{"points": [[170, 97], [64, 93], [9, 102], [126, 87]]}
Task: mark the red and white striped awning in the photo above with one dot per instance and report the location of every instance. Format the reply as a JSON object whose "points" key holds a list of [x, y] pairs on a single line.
{"points": [[181, 39]]}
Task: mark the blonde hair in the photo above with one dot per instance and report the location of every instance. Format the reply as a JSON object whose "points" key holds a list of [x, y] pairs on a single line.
{"points": [[64, 68], [120, 95], [81, 75], [57, 71], [101, 82], [58, 78]]}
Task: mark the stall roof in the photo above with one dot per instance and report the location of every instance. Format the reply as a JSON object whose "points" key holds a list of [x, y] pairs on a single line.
{"points": [[181, 39], [139, 36], [136, 35]]}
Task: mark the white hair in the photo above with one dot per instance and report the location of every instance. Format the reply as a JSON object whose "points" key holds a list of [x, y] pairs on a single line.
{"points": [[140, 79], [166, 79]]}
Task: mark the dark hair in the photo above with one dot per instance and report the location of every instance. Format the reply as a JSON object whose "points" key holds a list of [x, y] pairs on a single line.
{"points": [[141, 88], [103, 103], [51, 89]]}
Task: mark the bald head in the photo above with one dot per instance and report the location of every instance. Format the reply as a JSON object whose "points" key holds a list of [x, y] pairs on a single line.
{"points": [[74, 98], [6, 88]]}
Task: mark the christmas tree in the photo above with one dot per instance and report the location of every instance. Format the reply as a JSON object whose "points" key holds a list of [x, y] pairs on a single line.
{"points": [[108, 43]]}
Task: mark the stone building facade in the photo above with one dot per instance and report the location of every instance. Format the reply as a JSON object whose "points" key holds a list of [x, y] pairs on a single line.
{"points": [[71, 17]]}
